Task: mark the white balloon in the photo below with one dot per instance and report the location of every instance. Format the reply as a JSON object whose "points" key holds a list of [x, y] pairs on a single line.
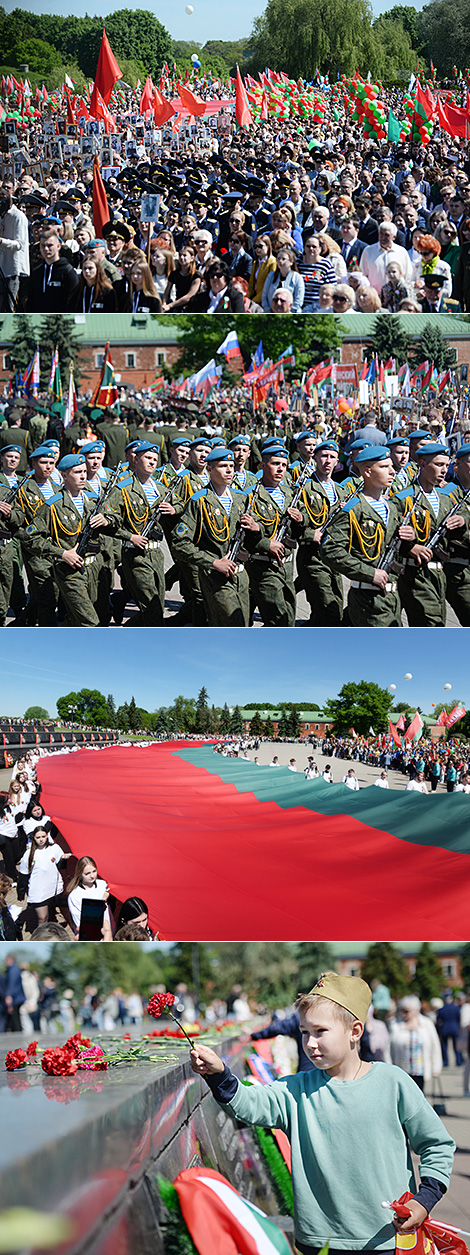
{"points": [[447, 687], [392, 688], [408, 676], [194, 56], [189, 9]]}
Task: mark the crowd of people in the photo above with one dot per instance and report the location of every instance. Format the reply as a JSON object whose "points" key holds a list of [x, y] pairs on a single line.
{"points": [[243, 514], [41, 892], [281, 217]]}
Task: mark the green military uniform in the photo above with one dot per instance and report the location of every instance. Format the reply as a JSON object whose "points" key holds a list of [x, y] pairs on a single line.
{"points": [[115, 437], [55, 527], [8, 529], [457, 567], [295, 469], [190, 584], [244, 480], [206, 531], [403, 477], [272, 582], [353, 546], [110, 553], [19, 436], [156, 438], [422, 588], [143, 569], [323, 587], [352, 485], [42, 604]]}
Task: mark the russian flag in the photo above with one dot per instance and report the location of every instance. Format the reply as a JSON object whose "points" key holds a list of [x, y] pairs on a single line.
{"points": [[230, 347]]}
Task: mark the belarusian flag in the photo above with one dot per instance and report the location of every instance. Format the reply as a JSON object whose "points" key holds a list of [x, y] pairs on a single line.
{"points": [[106, 393], [220, 1221], [444, 379], [157, 385], [457, 713], [415, 730]]}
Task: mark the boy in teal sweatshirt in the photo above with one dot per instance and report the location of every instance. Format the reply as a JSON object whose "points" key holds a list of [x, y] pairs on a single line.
{"points": [[350, 1124]]}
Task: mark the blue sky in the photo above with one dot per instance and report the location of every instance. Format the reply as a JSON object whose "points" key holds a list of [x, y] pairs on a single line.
{"points": [[156, 665], [210, 20]]}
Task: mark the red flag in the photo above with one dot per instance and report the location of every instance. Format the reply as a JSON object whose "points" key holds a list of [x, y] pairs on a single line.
{"points": [[146, 99], [191, 102], [243, 112], [98, 109], [394, 734], [162, 108], [413, 732], [442, 720], [101, 213], [82, 111], [107, 70], [457, 713], [264, 108], [401, 724], [452, 120], [70, 112]]}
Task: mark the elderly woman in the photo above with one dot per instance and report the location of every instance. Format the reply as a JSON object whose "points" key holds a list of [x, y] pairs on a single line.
{"points": [[342, 299], [431, 262], [414, 1042]]}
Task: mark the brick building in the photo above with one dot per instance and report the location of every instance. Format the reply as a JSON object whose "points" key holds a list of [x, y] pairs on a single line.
{"points": [[312, 722], [350, 957]]}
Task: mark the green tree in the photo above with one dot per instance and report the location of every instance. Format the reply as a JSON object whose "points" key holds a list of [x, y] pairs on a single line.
{"points": [[202, 709], [267, 971], [269, 728], [313, 958], [283, 724], [23, 344], [236, 722], [135, 720], [57, 331], [432, 347], [212, 726], [311, 336], [361, 705], [112, 714], [444, 34], [90, 706], [256, 726], [465, 965], [390, 339], [428, 978], [301, 36], [294, 722], [122, 716], [385, 964], [36, 712], [225, 720], [161, 724]]}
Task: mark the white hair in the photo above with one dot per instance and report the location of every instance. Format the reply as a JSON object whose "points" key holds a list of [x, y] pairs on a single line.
{"points": [[391, 227]]}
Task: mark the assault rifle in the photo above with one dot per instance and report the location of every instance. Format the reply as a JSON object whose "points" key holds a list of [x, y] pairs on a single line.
{"points": [[239, 537], [89, 543]]}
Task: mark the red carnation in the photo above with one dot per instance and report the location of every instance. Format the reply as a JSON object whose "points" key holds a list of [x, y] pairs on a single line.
{"points": [[32, 1048], [159, 1002], [59, 1062], [15, 1059], [76, 1043]]}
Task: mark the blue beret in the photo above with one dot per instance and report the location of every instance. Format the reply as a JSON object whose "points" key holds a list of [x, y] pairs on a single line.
{"points": [[327, 444], [217, 440], [274, 451], [54, 444], [359, 444], [53, 218], [431, 448], [397, 440], [144, 446], [200, 440], [232, 444], [131, 445], [42, 451], [93, 446], [219, 454], [180, 440], [461, 453], [70, 460], [8, 448], [420, 435], [272, 440], [95, 243], [373, 453], [304, 435]]}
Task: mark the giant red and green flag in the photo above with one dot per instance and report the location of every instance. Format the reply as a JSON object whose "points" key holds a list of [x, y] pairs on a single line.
{"points": [[106, 393], [245, 851], [415, 729]]}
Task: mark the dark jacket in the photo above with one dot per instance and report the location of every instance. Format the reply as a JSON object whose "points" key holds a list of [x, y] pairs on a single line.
{"points": [[290, 1027], [14, 985], [50, 287]]}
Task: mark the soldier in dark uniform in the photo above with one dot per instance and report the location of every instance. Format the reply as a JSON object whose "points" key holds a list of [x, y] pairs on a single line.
{"points": [[115, 435]]}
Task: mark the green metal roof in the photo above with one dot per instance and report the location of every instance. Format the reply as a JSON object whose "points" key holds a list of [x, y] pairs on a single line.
{"points": [[306, 715], [96, 328], [361, 326], [359, 949]]}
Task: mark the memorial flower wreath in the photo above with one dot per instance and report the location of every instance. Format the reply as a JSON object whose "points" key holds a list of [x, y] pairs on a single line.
{"points": [[81, 1054]]}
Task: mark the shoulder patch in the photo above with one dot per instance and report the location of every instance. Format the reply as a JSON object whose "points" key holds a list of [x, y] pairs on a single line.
{"points": [[181, 530]]}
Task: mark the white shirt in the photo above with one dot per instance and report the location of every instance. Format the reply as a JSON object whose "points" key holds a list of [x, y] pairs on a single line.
{"points": [[44, 879], [416, 786], [351, 782], [374, 261], [14, 243], [381, 784], [75, 899]]}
